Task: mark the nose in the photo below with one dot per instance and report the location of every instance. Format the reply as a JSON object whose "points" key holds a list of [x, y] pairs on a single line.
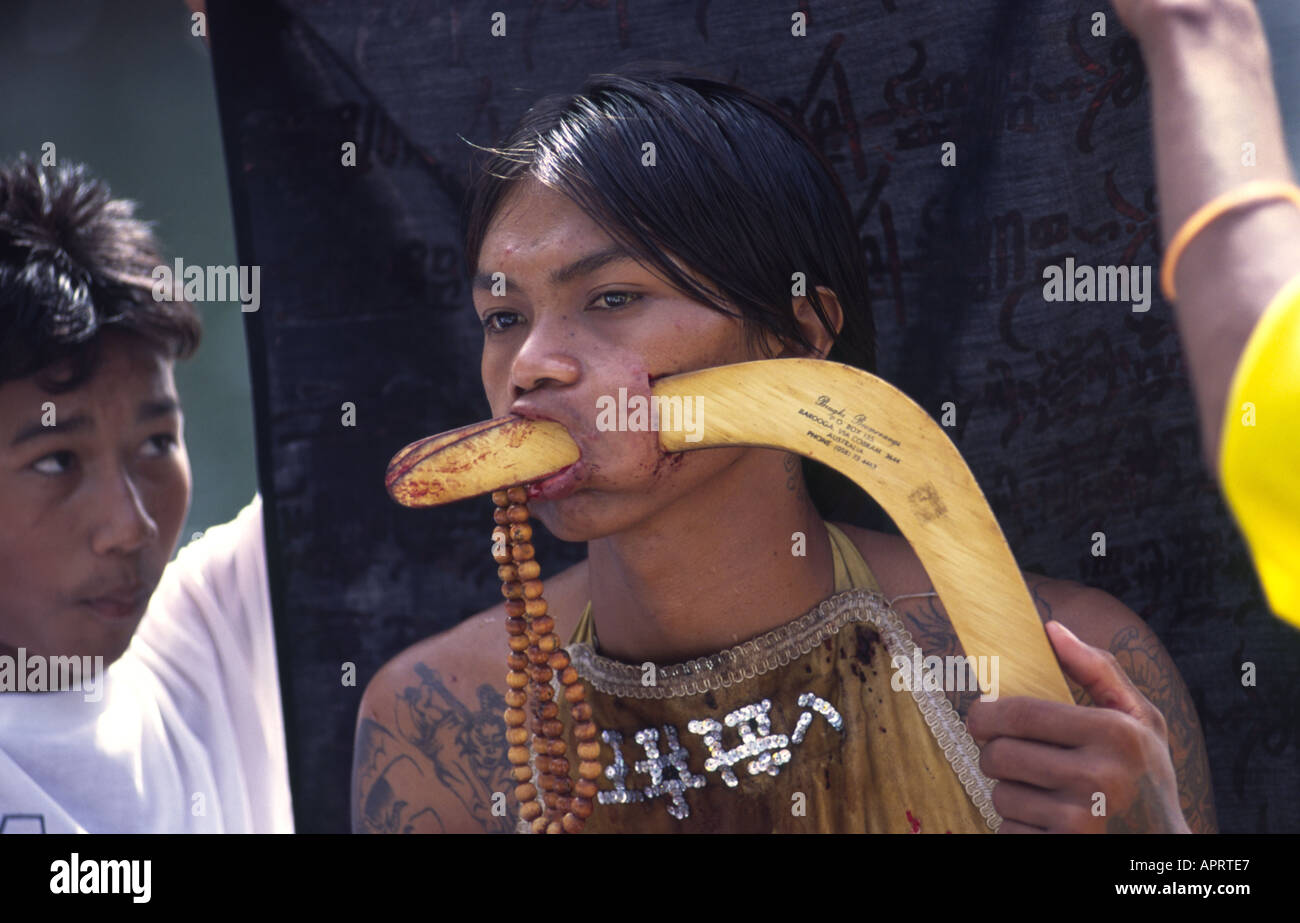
{"points": [[547, 356], [125, 526]]}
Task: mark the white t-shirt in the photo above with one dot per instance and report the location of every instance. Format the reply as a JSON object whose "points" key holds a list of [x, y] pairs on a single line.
{"points": [[188, 736]]}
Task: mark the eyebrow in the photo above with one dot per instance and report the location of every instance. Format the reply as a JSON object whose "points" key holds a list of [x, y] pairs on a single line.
{"points": [[149, 410], [583, 266]]}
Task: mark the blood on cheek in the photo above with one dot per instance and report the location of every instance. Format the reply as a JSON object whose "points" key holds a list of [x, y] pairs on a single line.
{"points": [[667, 463], [657, 462]]}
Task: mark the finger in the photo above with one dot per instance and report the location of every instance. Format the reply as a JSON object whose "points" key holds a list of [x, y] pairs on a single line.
{"points": [[1037, 719], [1031, 805], [1097, 671], [1010, 759]]}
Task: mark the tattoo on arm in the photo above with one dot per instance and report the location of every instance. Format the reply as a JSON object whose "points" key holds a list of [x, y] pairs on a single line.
{"points": [[1142, 657], [464, 753], [1145, 816]]}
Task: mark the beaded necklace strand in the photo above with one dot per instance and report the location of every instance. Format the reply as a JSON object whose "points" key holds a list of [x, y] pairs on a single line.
{"points": [[556, 804]]}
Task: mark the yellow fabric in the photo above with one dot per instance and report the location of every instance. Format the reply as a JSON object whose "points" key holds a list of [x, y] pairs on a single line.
{"points": [[851, 571], [884, 772], [585, 633], [1259, 460]]}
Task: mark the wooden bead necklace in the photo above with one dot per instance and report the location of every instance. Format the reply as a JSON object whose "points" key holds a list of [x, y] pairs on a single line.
{"points": [[556, 804]]}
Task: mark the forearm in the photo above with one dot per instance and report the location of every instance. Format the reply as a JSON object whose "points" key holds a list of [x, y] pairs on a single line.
{"points": [[1212, 94]]}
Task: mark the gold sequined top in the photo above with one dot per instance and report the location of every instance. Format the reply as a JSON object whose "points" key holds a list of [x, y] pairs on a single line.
{"points": [[800, 730]]}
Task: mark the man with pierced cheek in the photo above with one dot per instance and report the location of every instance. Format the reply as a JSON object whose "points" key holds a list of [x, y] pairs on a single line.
{"points": [[732, 684]]}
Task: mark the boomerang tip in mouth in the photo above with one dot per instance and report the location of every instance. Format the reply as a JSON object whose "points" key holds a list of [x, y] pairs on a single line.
{"points": [[483, 457]]}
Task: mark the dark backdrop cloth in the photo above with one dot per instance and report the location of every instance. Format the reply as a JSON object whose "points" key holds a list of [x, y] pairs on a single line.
{"points": [[1075, 417]]}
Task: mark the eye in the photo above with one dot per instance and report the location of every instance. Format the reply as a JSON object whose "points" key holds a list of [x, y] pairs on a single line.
{"points": [[630, 296], [54, 463], [490, 325], [162, 443]]}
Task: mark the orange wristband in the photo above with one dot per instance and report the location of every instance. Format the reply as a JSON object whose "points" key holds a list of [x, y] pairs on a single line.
{"points": [[1247, 194]]}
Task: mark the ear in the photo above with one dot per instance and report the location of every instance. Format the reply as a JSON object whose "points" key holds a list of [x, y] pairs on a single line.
{"points": [[813, 329]]}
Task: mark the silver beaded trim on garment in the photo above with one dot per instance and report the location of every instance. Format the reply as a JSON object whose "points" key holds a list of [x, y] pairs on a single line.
{"points": [[764, 751]]}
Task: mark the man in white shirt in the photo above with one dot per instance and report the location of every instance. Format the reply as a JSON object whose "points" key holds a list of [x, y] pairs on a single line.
{"points": [[132, 698]]}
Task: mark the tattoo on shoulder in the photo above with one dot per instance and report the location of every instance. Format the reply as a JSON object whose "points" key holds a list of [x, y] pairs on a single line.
{"points": [[465, 750], [794, 477], [1045, 615], [927, 621], [380, 771]]}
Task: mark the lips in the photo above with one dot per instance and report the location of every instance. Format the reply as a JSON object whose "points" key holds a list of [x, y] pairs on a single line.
{"points": [[528, 412], [118, 605], [563, 483]]}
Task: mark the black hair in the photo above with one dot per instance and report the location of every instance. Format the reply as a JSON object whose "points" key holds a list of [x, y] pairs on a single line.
{"points": [[74, 262], [739, 194]]}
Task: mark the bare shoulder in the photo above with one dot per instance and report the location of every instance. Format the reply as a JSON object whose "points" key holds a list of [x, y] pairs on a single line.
{"points": [[430, 753], [1095, 616]]}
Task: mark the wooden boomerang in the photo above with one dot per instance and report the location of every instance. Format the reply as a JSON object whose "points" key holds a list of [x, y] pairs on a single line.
{"points": [[841, 416]]}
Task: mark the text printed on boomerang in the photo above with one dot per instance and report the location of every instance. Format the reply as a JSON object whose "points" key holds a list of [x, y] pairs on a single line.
{"points": [[853, 437], [850, 435]]}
